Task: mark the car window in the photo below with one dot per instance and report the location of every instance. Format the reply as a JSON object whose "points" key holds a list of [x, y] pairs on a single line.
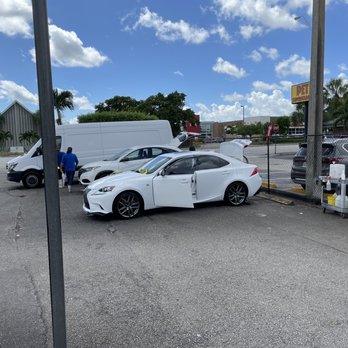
{"points": [[210, 162], [136, 155], [117, 155], [181, 166], [166, 150], [327, 150]]}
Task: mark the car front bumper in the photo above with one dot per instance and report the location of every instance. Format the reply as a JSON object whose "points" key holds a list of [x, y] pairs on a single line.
{"points": [[98, 204], [14, 176]]}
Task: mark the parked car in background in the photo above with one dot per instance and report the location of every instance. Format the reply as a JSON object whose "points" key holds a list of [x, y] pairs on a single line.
{"points": [[173, 180], [334, 150], [209, 139], [123, 160]]}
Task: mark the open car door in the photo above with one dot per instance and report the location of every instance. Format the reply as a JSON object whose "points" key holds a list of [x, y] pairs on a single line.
{"points": [[173, 190]]}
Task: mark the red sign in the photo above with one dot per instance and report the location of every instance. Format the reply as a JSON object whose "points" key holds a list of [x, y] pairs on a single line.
{"points": [[269, 130], [276, 128]]}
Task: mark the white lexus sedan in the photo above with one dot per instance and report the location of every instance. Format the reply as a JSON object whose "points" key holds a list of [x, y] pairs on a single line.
{"points": [[173, 180], [125, 159]]}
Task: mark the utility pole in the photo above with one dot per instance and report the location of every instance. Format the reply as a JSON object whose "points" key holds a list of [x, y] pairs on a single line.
{"points": [[243, 106], [48, 135], [315, 113]]}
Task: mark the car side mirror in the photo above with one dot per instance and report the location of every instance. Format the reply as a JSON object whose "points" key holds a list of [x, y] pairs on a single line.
{"points": [[126, 159], [162, 172]]}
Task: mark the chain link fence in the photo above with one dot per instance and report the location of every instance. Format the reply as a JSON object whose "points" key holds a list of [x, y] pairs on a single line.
{"points": [[286, 163]]}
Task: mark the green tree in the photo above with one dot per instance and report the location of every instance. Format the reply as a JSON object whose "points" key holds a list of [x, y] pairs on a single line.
{"points": [[342, 111], [37, 117], [113, 116], [117, 104], [170, 107], [284, 124], [297, 117], [28, 138], [334, 91], [4, 136], [62, 100]]}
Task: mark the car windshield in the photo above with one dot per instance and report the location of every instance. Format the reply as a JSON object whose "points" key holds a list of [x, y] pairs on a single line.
{"points": [[152, 166], [327, 150], [117, 155]]}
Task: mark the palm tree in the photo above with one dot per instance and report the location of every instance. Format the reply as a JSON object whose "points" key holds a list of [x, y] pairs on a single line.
{"points": [[342, 111], [333, 94], [28, 137], [5, 135], [62, 100]]}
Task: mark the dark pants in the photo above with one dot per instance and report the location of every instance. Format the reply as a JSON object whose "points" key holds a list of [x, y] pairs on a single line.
{"points": [[70, 177], [59, 174]]}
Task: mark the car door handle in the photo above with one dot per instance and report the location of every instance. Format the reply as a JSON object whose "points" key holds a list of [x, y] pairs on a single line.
{"points": [[183, 181], [225, 173]]}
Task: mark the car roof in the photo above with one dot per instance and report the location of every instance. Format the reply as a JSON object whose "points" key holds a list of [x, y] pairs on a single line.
{"points": [[330, 141], [197, 153], [155, 145]]}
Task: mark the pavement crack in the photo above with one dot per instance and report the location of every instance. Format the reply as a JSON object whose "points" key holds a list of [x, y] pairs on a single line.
{"points": [[39, 303]]}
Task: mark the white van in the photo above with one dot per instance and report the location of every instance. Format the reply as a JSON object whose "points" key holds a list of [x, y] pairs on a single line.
{"points": [[91, 142]]}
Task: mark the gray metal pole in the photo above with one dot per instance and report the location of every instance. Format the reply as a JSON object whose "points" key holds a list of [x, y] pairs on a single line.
{"points": [[53, 218], [315, 113]]}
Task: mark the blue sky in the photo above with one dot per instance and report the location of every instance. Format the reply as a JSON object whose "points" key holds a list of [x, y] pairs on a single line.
{"points": [[221, 53]]}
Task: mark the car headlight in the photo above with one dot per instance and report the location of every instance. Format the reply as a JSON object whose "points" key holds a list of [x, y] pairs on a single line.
{"points": [[12, 166], [88, 169], [104, 190]]}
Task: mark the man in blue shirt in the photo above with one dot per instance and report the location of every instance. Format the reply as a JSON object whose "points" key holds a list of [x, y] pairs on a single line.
{"points": [[69, 163]]}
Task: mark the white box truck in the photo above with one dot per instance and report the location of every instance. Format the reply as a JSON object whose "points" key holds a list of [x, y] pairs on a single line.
{"points": [[91, 142]]}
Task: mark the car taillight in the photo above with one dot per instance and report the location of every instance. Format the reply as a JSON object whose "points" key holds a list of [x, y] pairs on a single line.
{"points": [[332, 160], [255, 171]]}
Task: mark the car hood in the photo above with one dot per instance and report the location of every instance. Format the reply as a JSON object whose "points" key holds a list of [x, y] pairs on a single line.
{"points": [[113, 179], [96, 164]]}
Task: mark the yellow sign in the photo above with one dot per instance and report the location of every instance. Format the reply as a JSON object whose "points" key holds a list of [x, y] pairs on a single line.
{"points": [[300, 93]]}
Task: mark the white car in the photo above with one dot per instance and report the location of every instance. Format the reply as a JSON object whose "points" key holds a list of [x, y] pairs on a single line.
{"points": [[126, 159], [173, 180]]}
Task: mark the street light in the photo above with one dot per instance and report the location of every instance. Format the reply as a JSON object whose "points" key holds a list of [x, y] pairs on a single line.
{"points": [[243, 106]]}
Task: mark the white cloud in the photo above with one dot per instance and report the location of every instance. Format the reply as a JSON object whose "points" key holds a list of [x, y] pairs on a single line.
{"points": [[256, 56], [248, 31], [343, 76], [271, 53], [16, 17], [219, 113], [223, 34], [343, 67], [263, 86], [167, 30], [275, 104], [178, 73], [257, 104], [270, 14], [171, 31], [232, 97], [224, 67], [11, 91], [294, 65], [67, 50], [83, 103]]}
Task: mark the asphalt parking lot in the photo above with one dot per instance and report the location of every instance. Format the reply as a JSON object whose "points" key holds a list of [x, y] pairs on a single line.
{"points": [[260, 275]]}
